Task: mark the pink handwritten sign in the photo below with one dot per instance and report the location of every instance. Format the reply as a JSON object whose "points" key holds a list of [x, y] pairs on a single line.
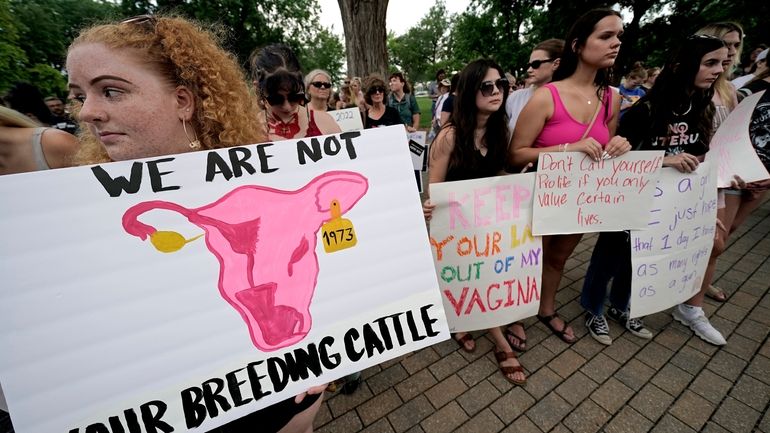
{"points": [[731, 150], [575, 194], [487, 260]]}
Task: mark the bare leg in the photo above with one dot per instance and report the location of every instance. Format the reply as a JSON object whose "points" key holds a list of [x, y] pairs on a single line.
{"points": [[556, 251], [745, 209]]}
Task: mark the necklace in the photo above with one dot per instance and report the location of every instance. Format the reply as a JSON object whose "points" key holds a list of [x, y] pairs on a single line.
{"points": [[589, 98], [284, 129], [689, 107]]}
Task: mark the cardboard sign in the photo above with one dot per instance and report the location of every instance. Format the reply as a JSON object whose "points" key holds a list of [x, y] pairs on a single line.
{"points": [[669, 258], [575, 194], [349, 119], [488, 262], [731, 149], [135, 291]]}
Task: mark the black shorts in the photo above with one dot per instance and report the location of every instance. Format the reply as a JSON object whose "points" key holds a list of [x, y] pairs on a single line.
{"points": [[269, 419]]}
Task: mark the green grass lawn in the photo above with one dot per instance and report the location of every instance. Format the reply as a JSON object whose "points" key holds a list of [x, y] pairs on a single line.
{"points": [[425, 114]]}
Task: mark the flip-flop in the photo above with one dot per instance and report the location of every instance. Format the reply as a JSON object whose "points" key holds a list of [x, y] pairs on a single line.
{"points": [[506, 370], [561, 333], [716, 293], [517, 342], [464, 339]]}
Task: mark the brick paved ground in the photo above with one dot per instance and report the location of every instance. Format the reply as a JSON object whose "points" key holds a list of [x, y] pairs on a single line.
{"points": [[672, 383]]}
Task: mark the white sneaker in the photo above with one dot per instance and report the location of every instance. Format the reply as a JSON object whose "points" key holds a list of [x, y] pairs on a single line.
{"points": [[700, 325]]}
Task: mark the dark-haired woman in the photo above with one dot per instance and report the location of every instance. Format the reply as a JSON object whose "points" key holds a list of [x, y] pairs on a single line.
{"points": [[680, 102], [276, 73], [558, 116], [378, 114], [472, 145]]}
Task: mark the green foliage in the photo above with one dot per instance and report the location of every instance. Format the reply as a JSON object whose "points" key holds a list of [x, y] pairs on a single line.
{"points": [[48, 80], [323, 51], [422, 49]]}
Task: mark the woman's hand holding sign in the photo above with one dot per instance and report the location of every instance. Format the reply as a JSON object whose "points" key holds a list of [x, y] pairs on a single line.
{"points": [[683, 162]]}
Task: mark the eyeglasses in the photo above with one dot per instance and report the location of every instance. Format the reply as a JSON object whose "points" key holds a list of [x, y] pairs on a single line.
{"points": [[487, 88], [376, 89], [279, 99], [535, 64], [321, 85]]}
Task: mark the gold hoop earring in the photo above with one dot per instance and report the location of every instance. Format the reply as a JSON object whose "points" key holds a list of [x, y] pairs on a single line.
{"points": [[194, 144]]}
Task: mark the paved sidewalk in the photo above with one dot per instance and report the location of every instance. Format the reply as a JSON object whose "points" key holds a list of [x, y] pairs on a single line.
{"points": [[673, 383]]}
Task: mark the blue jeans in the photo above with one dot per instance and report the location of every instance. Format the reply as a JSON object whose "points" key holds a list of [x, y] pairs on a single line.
{"points": [[611, 258]]}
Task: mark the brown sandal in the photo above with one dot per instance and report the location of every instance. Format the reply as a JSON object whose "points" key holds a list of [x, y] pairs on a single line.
{"points": [[506, 370], [463, 340], [561, 333], [517, 342]]}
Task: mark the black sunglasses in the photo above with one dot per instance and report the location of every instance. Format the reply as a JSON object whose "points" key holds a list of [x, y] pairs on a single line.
{"points": [[535, 64], [488, 87], [293, 98], [321, 85], [376, 89]]}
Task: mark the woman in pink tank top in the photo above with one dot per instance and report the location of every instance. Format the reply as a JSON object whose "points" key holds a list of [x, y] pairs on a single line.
{"points": [[556, 120]]}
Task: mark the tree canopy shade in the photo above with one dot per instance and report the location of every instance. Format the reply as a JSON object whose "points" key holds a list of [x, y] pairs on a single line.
{"points": [[364, 24], [36, 33]]}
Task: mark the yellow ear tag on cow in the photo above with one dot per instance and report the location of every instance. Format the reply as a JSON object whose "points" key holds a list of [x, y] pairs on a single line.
{"points": [[169, 242], [338, 233]]}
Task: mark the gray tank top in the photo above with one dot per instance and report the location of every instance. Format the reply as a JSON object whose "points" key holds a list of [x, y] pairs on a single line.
{"points": [[37, 147]]}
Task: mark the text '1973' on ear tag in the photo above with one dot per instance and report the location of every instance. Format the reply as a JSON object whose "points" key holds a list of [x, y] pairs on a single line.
{"points": [[338, 234]]}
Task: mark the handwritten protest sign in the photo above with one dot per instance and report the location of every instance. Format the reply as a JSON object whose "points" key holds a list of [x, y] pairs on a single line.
{"points": [[185, 291], [731, 149], [669, 258], [575, 194], [487, 260], [349, 119]]}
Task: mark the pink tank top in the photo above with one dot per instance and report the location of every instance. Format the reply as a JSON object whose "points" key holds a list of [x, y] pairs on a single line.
{"points": [[563, 128]]}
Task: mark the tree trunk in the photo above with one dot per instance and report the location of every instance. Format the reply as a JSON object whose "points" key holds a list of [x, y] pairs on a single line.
{"points": [[363, 22]]}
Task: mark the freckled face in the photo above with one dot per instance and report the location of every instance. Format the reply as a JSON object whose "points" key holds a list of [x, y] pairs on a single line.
{"points": [[129, 107], [711, 66], [603, 44]]}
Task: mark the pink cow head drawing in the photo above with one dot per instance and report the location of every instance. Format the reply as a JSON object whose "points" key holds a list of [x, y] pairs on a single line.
{"points": [[265, 242]]}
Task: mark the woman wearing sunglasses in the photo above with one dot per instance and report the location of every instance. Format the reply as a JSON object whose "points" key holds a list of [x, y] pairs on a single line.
{"points": [[577, 112], [153, 86], [378, 114], [543, 62], [318, 86], [472, 145], [280, 88]]}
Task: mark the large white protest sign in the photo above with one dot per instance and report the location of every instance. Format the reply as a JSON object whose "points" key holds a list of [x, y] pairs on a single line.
{"points": [[575, 194], [669, 258], [487, 260], [185, 291], [731, 149], [349, 119]]}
